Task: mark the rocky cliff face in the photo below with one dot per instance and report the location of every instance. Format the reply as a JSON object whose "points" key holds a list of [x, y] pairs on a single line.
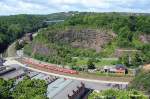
{"points": [[85, 38], [65, 41]]}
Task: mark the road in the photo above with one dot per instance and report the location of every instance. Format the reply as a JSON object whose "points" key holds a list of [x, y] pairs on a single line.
{"points": [[11, 50], [11, 62]]}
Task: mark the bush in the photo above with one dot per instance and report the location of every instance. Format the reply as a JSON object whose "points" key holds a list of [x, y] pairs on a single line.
{"points": [[90, 64]]}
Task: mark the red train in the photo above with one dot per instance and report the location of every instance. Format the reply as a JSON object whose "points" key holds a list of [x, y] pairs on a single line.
{"points": [[50, 67]]}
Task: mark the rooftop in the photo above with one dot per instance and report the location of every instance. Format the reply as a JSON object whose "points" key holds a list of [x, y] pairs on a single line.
{"points": [[57, 86], [68, 90]]}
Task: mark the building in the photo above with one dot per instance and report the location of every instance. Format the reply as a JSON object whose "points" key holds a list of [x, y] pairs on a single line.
{"points": [[119, 68], [78, 92]]}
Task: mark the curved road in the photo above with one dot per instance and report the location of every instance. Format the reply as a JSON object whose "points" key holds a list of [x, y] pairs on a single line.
{"points": [[11, 61]]}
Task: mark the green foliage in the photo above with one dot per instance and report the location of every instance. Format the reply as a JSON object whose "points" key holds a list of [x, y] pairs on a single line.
{"points": [[135, 60], [5, 88], [60, 53], [29, 89], [26, 89], [19, 46], [145, 51], [138, 58], [90, 64], [13, 27], [28, 49], [124, 60], [117, 94], [141, 82], [124, 37], [127, 29], [109, 49]]}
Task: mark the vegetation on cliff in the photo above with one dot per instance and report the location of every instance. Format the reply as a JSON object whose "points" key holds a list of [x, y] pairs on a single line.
{"points": [[92, 35]]}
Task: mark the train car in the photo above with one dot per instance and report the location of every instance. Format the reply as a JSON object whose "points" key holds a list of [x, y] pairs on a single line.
{"points": [[50, 67]]}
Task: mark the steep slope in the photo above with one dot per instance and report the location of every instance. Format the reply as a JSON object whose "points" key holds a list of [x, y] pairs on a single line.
{"points": [[84, 38], [15, 26], [63, 44], [91, 35]]}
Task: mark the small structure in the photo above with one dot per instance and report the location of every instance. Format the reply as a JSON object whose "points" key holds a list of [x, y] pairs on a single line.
{"points": [[119, 68], [78, 93]]}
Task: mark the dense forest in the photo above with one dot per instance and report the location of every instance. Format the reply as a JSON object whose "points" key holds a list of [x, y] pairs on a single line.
{"points": [[26, 89], [82, 34], [15, 26], [127, 27]]}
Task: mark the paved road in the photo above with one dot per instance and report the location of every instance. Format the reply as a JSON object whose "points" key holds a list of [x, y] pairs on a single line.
{"points": [[10, 62]]}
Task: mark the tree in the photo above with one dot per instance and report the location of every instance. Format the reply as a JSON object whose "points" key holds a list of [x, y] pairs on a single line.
{"points": [[137, 59], [5, 87], [19, 46], [14, 27], [29, 89], [141, 82], [125, 60], [132, 23], [125, 37], [90, 64], [132, 60]]}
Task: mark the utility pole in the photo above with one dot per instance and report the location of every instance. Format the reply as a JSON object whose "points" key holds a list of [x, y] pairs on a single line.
{"points": [[129, 59]]}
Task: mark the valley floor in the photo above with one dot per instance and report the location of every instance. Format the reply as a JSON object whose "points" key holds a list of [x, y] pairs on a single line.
{"points": [[86, 75]]}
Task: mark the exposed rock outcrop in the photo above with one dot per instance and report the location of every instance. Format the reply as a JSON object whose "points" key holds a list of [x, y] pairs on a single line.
{"points": [[85, 38]]}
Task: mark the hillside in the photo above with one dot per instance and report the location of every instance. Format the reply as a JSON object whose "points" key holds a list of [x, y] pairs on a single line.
{"points": [[93, 35], [83, 38], [70, 42], [15, 26], [141, 82]]}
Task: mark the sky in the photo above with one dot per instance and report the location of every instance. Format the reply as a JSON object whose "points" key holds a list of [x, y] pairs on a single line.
{"points": [[12, 7]]}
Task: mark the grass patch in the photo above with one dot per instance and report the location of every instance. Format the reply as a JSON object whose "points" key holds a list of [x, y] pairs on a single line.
{"points": [[100, 62], [109, 49], [106, 62]]}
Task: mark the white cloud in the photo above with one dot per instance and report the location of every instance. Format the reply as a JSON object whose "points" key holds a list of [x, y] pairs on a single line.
{"points": [[49, 6]]}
